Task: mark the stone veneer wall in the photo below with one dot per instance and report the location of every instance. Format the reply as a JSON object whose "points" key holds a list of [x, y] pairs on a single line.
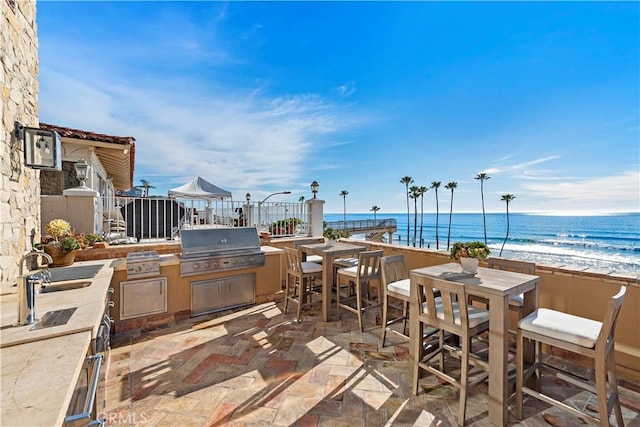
{"points": [[19, 186]]}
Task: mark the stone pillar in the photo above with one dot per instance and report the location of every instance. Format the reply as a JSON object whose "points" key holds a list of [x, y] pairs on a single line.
{"points": [[83, 209], [315, 208]]}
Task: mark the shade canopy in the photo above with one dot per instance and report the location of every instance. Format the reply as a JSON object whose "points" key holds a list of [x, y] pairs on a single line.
{"points": [[199, 188]]}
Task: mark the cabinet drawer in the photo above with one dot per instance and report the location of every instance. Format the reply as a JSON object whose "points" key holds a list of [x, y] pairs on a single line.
{"points": [[143, 297], [208, 296]]}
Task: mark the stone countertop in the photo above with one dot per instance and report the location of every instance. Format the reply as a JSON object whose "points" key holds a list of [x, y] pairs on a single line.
{"points": [[38, 378], [90, 303], [39, 369]]}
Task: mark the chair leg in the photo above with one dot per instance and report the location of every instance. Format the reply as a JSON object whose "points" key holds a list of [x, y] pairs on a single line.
{"points": [[302, 283], [359, 304], [405, 316], [464, 378], [286, 293], [441, 348], [337, 283], [519, 373], [601, 389], [385, 313], [613, 388], [417, 356]]}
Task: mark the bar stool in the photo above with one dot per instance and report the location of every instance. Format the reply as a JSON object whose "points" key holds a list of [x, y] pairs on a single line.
{"points": [[447, 315], [395, 284], [362, 275], [303, 274], [346, 263], [578, 335]]}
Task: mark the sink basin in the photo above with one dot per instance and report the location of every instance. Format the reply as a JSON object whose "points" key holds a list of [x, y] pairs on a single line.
{"points": [[64, 286]]}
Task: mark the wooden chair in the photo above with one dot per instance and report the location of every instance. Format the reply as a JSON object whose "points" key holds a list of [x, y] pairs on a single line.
{"points": [[579, 335], [303, 274], [447, 315], [395, 285], [516, 303], [346, 263], [362, 276]]}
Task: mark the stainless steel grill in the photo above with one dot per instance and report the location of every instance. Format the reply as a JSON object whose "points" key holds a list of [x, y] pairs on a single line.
{"points": [[219, 249]]}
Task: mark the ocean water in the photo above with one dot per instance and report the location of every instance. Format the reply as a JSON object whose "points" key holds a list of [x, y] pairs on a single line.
{"points": [[604, 242]]}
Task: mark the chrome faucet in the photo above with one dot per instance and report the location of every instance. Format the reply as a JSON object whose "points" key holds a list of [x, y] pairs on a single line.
{"points": [[26, 287]]}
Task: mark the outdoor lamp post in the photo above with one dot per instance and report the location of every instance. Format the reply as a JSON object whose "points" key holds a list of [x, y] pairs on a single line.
{"points": [[248, 197], [314, 188], [263, 200], [81, 168]]}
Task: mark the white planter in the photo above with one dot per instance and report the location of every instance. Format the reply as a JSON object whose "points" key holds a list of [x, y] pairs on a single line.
{"points": [[469, 265], [329, 242]]}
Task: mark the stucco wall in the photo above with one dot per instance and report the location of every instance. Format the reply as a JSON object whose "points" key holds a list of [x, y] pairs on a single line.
{"points": [[19, 186]]}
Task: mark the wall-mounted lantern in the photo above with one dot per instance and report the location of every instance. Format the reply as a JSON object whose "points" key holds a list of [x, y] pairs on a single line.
{"points": [[82, 169], [42, 148]]}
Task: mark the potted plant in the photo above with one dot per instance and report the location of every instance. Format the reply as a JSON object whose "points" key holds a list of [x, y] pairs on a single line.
{"points": [[332, 235], [469, 254], [61, 243]]}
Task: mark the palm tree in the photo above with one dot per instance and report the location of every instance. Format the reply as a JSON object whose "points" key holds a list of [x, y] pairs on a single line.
{"points": [[435, 185], [406, 181], [422, 191], [414, 194], [374, 209], [506, 198], [301, 199], [344, 193], [483, 177], [146, 185], [450, 186]]}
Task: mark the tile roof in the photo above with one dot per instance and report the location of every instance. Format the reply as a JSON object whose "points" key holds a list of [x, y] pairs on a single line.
{"points": [[89, 136], [120, 167]]}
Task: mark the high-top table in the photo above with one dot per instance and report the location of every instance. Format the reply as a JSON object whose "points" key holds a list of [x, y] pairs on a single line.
{"points": [[498, 287], [329, 254]]}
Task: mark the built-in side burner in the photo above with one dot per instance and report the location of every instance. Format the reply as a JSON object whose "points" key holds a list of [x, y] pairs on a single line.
{"points": [[143, 264]]}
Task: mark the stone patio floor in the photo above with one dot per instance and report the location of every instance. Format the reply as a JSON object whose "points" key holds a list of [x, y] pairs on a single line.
{"points": [[257, 367]]}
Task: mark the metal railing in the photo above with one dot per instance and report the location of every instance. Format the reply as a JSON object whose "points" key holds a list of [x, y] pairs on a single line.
{"points": [[364, 225], [136, 219]]}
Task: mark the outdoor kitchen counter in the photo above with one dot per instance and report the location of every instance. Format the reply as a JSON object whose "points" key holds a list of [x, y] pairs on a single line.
{"points": [[268, 285], [38, 379], [87, 317], [39, 369]]}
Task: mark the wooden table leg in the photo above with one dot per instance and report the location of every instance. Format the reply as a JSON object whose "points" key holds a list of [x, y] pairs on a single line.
{"points": [[327, 285], [498, 358]]}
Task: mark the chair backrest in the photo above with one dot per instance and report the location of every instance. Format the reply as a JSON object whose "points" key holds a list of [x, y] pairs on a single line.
{"points": [[294, 264], [605, 338], [394, 269], [512, 265], [369, 265], [441, 312]]}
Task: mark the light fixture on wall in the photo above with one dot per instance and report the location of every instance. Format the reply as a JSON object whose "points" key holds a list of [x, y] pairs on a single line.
{"points": [[81, 168], [42, 148], [314, 188]]}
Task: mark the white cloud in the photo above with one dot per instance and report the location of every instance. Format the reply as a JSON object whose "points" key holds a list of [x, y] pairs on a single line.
{"points": [[181, 131], [618, 193], [346, 89]]}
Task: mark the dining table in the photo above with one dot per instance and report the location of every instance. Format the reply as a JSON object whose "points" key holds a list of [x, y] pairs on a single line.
{"points": [[496, 286], [329, 253]]}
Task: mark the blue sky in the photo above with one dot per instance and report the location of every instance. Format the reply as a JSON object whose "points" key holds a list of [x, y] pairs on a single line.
{"points": [[263, 97]]}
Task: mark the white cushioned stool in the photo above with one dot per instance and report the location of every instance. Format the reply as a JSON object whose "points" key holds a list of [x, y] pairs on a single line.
{"points": [[579, 335]]}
